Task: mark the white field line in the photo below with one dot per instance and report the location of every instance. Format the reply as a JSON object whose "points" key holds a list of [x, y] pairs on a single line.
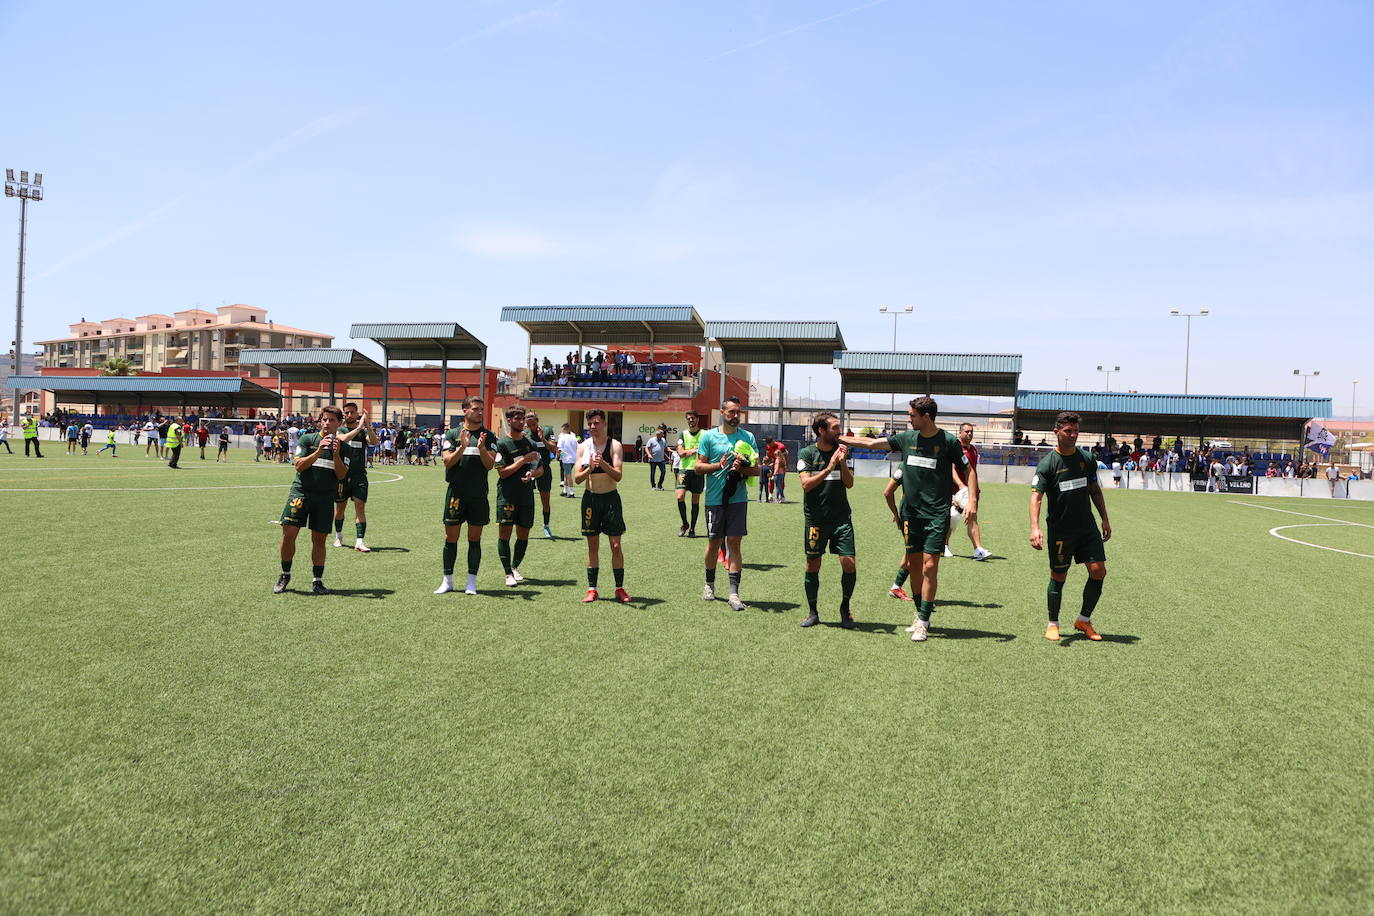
{"points": [[271, 486], [1284, 537], [1339, 521]]}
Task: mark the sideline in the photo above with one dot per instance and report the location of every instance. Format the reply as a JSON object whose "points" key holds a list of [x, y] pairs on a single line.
{"points": [[1329, 523], [271, 486]]}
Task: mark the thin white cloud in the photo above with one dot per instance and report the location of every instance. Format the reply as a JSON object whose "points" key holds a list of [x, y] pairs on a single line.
{"points": [[528, 19], [301, 135], [793, 30]]}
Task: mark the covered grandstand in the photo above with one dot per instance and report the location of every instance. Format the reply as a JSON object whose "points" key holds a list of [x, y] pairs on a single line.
{"points": [[780, 342], [441, 341], [146, 392], [1203, 416]]}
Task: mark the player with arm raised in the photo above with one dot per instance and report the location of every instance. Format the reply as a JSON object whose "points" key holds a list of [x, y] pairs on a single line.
{"points": [[1068, 474], [826, 478], [930, 456], [599, 465], [517, 467], [469, 453], [548, 450], [356, 434]]}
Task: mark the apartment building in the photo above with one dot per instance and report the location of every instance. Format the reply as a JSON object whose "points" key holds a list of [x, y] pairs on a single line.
{"points": [[193, 339]]}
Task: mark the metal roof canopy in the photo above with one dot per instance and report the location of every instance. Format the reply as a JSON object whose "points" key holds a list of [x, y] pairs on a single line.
{"points": [[202, 391], [441, 340], [316, 364], [1200, 414], [781, 342], [556, 325], [976, 374]]}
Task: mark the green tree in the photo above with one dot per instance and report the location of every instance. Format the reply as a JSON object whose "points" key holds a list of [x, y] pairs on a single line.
{"points": [[118, 365]]}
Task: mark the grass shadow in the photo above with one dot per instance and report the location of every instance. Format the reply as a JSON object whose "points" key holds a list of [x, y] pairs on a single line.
{"points": [[362, 592], [550, 582], [390, 550], [866, 626], [775, 607], [510, 594], [762, 567], [960, 633], [645, 603], [954, 602], [1118, 638]]}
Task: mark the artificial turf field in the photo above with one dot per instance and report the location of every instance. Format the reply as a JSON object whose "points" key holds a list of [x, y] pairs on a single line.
{"points": [[177, 738]]}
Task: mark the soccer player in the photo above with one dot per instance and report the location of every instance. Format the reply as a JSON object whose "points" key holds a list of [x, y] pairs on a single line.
{"points": [[202, 438], [930, 457], [825, 478], [599, 465], [356, 434], [469, 453], [223, 453], [904, 570], [86, 432], [320, 465], [109, 444], [73, 432], [689, 480], [567, 457], [1069, 475], [728, 456], [961, 498], [517, 466], [548, 447]]}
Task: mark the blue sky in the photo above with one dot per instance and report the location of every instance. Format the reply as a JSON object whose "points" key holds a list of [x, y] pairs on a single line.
{"points": [[1047, 179]]}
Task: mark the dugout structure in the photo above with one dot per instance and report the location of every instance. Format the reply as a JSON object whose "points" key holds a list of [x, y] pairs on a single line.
{"points": [[1201, 415], [317, 365], [783, 342], [424, 340], [151, 390], [987, 375]]}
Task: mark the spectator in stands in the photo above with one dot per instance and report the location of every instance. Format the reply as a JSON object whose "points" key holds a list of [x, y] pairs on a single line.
{"points": [[1216, 477], [1289, 472]]}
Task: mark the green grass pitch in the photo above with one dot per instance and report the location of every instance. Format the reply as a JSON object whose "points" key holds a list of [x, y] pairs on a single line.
{"points": [[177, 738]]}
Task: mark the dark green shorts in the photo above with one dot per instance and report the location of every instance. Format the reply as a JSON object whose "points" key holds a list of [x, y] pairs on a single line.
{"points": [[351, 488], [1081, 546], [460, 510], [837, 539], [925, 535], [545, 480], [601, 514], [510, 514], [690, 480], [308, 510]]}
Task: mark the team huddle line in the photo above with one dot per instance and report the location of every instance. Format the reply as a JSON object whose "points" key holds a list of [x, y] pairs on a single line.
{"points": [[936, 474]]}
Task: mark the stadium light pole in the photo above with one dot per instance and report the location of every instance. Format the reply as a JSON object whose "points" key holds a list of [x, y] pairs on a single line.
{"points": [[1109, 374], [1305, 377], [1188, 338], [895, 313], [26, 191], [1350, 443]]}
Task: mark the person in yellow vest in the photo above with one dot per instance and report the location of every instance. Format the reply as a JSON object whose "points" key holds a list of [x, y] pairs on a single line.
{"points": [[30, 425], [173, 443], [689, 481]]}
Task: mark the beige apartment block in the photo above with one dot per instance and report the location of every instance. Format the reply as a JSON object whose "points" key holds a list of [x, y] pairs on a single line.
{"points": [[193, 339]]}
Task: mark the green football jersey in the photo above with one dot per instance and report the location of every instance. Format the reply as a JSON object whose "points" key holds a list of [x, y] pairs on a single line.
{"points": [[512, 490], [468, 477], [1067, 481], [356, 450], [319, 477], [827, 504], [927, 471]]}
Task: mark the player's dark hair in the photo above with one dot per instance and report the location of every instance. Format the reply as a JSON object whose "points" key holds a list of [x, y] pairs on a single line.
{"points": [[468, 402], [1065, 418], [596, 412], [925, 405], [822, 421], [348, 404], [515, 410], [331, 409], [731, 400]]}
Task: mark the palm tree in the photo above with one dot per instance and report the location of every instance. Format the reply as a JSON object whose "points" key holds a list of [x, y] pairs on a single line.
{"points": [[118, 365]]}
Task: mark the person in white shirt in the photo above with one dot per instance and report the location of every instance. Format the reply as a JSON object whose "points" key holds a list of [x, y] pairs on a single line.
{"points": [[1216, 479], [1332, 475], [292, 435], [567, 456]]}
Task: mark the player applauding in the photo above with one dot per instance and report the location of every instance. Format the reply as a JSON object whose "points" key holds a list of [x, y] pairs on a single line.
{"points": [[826, 478]]}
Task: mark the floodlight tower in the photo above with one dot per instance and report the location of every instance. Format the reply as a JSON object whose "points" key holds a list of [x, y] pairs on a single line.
{"points": [[895, 313], [1305, 377], [1187, 338], [26, 191], [1109, 372]]}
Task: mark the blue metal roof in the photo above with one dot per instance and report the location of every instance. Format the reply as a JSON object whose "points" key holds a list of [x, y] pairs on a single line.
{"points": [[802, 342], [1184, 405], [422, 340], [888, 361]]}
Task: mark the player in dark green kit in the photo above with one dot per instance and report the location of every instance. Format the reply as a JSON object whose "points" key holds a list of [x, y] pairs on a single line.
{"points": [[517, 466], [1069, 475], [826, 478], [469, 452], [932, 460], [548, 451], [356, 434], [320, 465]]}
